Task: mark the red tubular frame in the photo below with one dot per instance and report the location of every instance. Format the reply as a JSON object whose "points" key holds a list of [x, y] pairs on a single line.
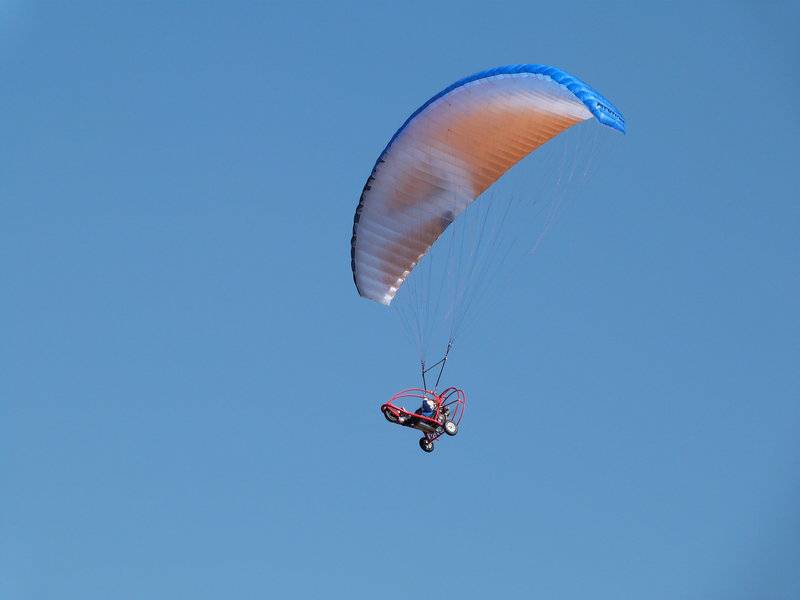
{"points": [[453, 398]]}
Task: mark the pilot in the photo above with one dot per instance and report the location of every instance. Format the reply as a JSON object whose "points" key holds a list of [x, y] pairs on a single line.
{"points": [[428, 407]]}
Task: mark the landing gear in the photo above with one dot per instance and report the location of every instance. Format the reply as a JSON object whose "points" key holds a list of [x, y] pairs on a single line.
{"points": [[450, 428], [426, 444], [390, 416]]}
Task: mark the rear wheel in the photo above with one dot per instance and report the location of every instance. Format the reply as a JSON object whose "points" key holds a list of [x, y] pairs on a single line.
{"points": [[450, 428], [426, 444]]}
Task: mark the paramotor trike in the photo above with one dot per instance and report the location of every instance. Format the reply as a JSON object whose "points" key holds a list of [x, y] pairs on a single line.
{"points": [[445, 418]]}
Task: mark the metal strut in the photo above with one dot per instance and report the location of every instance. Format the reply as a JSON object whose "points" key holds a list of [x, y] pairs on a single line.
{"points": [[441, 364]]}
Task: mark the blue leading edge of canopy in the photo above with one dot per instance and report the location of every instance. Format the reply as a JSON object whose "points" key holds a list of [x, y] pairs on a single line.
{"points": [[605, 112], [602, 109]]}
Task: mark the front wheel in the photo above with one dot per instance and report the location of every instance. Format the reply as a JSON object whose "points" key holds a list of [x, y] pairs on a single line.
{"points": [[390, 416], [450, 428], [426, 444]]}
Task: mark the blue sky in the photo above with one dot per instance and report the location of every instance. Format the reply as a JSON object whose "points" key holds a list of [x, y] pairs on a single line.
{"points": [[189, 384]]}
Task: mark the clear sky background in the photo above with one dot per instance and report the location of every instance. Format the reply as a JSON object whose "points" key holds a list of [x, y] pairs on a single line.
{"points": [[189, 384]]}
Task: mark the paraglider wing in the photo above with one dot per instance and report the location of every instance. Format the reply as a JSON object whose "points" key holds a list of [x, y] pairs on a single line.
{"points": [[450, 151]]}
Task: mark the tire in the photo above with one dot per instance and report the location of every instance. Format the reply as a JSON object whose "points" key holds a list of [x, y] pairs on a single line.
{"points": [[450, 428], [426, 444], [390, 416]]}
